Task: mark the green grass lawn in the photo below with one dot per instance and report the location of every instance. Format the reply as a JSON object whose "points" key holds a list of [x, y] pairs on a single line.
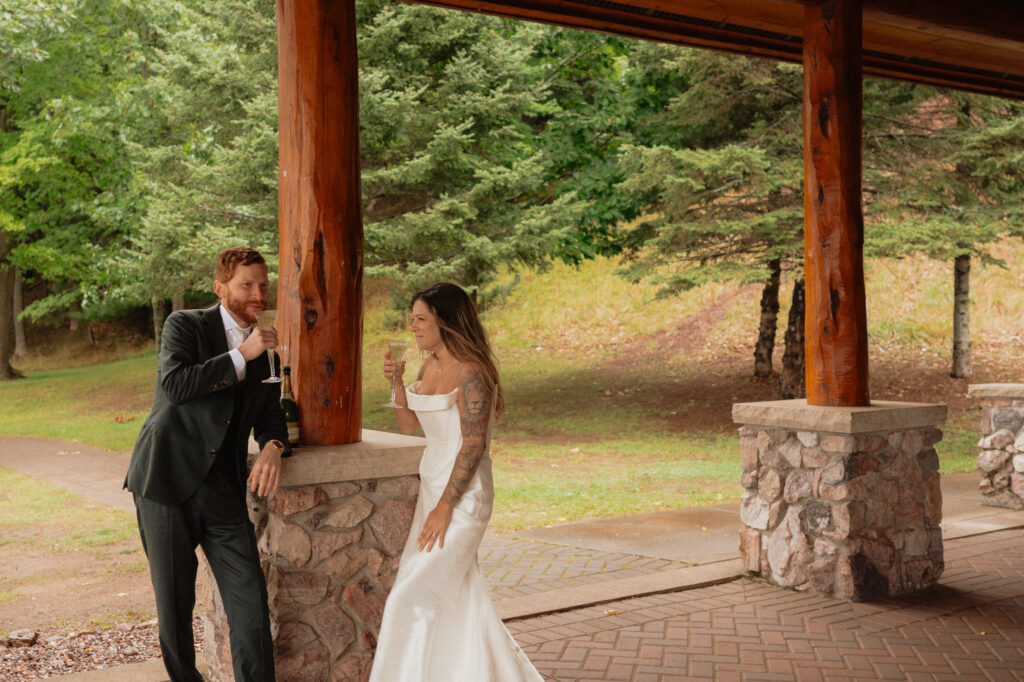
{"points": [[611, 409]]}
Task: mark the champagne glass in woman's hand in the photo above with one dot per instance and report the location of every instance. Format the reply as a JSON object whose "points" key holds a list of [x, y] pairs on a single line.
{"points": [[268, 318], [396, 351]]}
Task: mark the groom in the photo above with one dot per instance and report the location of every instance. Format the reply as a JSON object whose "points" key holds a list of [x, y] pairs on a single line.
{"points": [[187, 470]]}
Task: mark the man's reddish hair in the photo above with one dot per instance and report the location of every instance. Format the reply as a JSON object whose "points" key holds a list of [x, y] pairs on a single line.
{"points": [[234, 256]]}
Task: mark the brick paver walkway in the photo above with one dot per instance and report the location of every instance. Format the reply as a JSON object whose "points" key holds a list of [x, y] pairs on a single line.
{"points": [[970, 627], [514, 567]]}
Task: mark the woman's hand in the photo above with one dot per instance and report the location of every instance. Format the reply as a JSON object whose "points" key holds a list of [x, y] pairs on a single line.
{"points": [[391, 368], [435, 527]]}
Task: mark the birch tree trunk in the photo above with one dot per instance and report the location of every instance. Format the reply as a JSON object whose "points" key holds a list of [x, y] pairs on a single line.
{"points": [[769, 321], [961, 317]]}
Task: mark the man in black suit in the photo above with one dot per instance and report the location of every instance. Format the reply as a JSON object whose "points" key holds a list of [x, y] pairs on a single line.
{"points": [[187, 470]]}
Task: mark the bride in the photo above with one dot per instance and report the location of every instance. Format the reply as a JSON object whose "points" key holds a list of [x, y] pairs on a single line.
{"points": [[439, 624]]}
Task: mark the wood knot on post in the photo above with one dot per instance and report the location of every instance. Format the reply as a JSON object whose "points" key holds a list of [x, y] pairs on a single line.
{"points": [[310, 316]]}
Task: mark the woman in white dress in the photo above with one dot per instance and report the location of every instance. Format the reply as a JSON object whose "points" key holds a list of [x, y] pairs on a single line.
{"points": [[439, 624]]}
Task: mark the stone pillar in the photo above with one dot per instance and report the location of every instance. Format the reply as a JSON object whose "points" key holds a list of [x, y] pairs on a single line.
{"points": [[841, 500], [330, 539], [1001, 456]]}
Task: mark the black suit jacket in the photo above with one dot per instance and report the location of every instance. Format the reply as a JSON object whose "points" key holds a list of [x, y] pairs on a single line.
{"points": [[192, 409]]}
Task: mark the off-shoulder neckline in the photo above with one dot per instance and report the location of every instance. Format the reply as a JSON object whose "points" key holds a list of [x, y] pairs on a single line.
{"points": [[428, 395]]}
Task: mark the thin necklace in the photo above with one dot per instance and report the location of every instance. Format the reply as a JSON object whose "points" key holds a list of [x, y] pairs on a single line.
{"points": [[440, 369]]}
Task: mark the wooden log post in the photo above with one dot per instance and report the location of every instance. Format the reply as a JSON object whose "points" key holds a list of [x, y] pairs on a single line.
{"points": [[321, 270], [836, 317]]}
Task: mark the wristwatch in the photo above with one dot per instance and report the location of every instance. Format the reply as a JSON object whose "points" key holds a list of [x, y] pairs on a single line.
{"points": [[277, 444]]}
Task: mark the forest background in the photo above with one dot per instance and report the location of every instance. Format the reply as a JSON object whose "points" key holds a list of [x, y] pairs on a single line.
{"points": [[138, 139], [628, 215]]}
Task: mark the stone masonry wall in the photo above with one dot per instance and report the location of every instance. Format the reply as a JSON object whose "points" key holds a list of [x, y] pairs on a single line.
{"points": [[1001, 456], [856, 516], [330, 553]]}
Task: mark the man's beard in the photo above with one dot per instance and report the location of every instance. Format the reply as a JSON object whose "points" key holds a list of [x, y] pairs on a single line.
{"points": [[240, 308]]}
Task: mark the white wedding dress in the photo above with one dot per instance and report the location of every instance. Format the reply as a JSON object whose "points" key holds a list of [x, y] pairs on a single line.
{"points": [[439, 623]]}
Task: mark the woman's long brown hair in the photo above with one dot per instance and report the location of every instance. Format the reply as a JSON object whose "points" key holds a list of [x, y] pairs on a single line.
{"points": [[462, 333]]}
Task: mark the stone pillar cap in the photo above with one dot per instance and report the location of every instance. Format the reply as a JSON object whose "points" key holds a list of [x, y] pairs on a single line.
{"points": [[1006, 391], [880, 415]]}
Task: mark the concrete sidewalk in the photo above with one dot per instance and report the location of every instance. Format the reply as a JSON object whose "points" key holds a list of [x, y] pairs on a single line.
{"points": [[564, 570]]}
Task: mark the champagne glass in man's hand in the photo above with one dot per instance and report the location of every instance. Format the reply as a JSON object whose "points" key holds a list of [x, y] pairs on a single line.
{"points": [[268, 318]]}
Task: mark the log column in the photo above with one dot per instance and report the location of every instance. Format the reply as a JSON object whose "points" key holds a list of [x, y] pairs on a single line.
{"points": [[836, 318], [320, 285]]}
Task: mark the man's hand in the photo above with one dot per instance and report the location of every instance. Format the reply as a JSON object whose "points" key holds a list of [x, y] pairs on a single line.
{"points": [[266, 472], [260, 339]]}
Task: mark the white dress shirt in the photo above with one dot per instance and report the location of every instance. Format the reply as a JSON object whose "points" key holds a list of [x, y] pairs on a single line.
{"points": [[236, 335]]}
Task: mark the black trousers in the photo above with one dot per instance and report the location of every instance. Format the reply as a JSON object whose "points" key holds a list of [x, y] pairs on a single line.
{"points": [[215, 519]]}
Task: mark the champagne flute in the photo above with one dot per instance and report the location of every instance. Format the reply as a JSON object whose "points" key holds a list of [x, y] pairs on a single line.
{"points": [[397, 349], [268, 318]]}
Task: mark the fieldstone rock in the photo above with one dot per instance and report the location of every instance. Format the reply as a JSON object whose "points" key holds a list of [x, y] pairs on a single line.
{"points": [[391, 522], [334, 628], [287, 541], [382, 568], [749, 479], [1017, 484], [402, 487], [292, 638], [990, 461], [776, 512], [879, 514], [834, 472], [1001, 480], [1018, 464], [349, 514], [863, 463], [341, 489], [748, 453], [886, 489], [326, 542], [833, 493], [792, 452], [913, 441], [996, 441], [808, 439], [344, 564], [815, 458], [821, 574], [21, 638], [285, 501], [870, 442], [799, 485], [839, 444], [818, 516], [1018, 443], [985, 485], [1008, 418], [296, 587], [916, 543], [933, 500], [928, 460], [754, 511], [353, 668], [909, 511], [1006, 499], [919, 574], [367, 601], [311, 665], [788, 551], [769, 486], [750, 549]]}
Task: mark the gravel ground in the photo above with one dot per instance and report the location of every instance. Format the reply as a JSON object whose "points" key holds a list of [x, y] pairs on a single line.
{"points": [[71, 652]]}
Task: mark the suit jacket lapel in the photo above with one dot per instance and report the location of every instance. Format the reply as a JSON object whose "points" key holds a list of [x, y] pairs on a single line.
{"points": [[215, 334]]}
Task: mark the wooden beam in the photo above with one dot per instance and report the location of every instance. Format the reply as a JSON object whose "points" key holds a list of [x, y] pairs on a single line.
{"points": [[836, 317], [321, 271]]}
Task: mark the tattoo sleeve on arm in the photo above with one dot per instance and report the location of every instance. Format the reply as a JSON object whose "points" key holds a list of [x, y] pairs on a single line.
{"points": [[475, 413]]}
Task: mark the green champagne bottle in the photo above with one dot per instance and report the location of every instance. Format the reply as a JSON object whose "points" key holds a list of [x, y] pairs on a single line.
{"points": [[290, 407]]}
